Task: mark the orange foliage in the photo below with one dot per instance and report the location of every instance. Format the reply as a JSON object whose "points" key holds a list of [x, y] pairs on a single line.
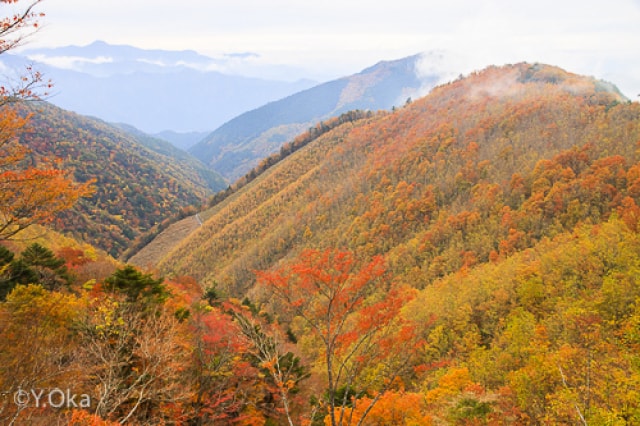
{"points": [[33, 194], [327, 287], [354, 311], [451, 384], [73, 257], [83, 418], [393, 408]]}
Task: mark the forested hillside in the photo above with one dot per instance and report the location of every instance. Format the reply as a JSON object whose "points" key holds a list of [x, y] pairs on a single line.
{"points": [[152, 247], [472, 258], [137, 184], [190, 164], [490, 228], [480, 168]]}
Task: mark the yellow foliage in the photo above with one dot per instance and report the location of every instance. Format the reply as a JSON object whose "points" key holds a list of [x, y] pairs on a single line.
{"points": [[452, 383]]}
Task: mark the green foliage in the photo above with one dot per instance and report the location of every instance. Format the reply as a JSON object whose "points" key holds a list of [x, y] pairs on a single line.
{"points": [[346, 395], [7, 272], [6, 256], [211, 295], [51, 271], [136, 286], [469, 409], [251, 306], [36, 265], [182, 314], [291, 336]]}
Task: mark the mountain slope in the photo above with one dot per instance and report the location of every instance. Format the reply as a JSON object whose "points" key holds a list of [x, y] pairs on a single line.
{"points": [[481, 168], [505, 206], [214, 180], [136, 187], [237, 146], [150, 249]]}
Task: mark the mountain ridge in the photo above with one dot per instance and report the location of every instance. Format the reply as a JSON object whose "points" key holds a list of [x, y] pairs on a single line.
{"points": [[238, 145], [490, 229]]}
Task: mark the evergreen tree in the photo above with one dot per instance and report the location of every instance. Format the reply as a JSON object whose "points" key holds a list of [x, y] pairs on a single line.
{"points": [[137, 286], [6, 285], [51, 271], [14, 272], [6, 256]]}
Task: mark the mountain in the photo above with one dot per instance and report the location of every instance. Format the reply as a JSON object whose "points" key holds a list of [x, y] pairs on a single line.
{"points": [[140, 181], [153, 90], [504, 207], [479, 168], [238, 145], [161, 146], [101, 59], [470, 258], [182, 140]]}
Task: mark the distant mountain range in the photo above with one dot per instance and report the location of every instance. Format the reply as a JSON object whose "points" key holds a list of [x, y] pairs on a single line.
{"points": [[154, 90], [179, 96], [237, 146], [182, 140]]}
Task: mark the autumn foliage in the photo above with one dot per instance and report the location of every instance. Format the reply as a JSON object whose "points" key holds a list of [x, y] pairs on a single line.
{"points": [[30, 194], [352, 311], [494, 222], [32, 189], [144, 350], [471, 258]]}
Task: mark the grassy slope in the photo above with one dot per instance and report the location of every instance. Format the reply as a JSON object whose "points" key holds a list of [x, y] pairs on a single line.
{"points": [[164, 242]]}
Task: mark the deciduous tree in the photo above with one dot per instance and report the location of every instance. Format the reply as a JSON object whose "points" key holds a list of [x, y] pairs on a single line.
{"points": [[353, 312], [282, 367], [36, 347], [32, 190], [133, 359]]}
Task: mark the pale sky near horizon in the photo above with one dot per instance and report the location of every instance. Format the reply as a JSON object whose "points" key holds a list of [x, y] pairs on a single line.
{"points": [[340, 37]]}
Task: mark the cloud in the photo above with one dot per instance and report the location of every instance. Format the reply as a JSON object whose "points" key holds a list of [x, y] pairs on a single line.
{"points": [[335, 38], [69, 62], [587, 38], [242, 55]]}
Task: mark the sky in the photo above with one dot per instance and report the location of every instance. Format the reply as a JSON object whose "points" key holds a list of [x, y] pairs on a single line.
{"points": [[332, 38]]}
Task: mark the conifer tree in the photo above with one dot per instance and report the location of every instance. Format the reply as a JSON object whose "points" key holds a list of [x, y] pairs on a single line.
{"points": [[50, 271], [137, 286]]}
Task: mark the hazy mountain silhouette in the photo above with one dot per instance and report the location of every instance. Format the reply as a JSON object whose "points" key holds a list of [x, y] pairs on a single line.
{"points": [[154, 90], [238, 145]]}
